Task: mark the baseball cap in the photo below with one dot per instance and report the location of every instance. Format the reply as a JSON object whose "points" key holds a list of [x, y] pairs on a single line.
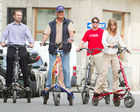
{"points": [[59, 8]]}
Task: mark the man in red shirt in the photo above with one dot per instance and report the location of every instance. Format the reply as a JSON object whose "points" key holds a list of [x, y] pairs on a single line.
{"points": [[94, 39]]}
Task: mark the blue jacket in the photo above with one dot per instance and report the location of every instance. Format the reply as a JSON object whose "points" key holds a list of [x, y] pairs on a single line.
{"points": [[65, 36]]}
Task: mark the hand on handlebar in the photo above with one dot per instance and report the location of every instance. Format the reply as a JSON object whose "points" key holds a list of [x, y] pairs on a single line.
{"points": [[70, 40], [41, 43], [31, 45], [3, 44], [79, 49], [128, 51]]}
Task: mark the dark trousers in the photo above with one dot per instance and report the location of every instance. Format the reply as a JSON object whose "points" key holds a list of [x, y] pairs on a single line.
{"points": [[23, 65]]}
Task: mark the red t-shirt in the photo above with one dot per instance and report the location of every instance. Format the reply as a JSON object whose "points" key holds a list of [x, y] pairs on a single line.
{"points": [[94, 39]]}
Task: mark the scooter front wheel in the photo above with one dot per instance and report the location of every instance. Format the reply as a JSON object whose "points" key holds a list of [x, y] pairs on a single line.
{"points": [[85, 97], [46, 97], [14, 96], [129, 101], [56, 98], [107, 99], [5, 96], [28, 97]]}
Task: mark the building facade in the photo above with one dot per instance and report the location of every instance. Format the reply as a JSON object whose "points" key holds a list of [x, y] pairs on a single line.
{"points": [[0, 17], [37, 14]]}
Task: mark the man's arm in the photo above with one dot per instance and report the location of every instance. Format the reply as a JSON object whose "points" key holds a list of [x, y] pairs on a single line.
{"points": [[44, 38], [4, 37], [29, 37], [80, 46], [71, 31], [46, 35]]}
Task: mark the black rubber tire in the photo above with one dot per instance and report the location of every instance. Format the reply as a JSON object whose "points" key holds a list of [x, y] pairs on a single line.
{"points": [[129, 101], [95, 102], [46, 97], [29, 97], [56, 98], [85, 98], [107, 99], [5, 97], [116, 103], [33, 86], [70, 99], [14, 96]]}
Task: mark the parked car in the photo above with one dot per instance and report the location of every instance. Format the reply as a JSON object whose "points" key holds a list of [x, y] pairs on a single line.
{"points": [[38, 75], [2, 74]]}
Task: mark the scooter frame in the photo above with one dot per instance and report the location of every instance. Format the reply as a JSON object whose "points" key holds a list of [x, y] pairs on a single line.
{"points": [[128, 100], [57, 80], [15, 88]]}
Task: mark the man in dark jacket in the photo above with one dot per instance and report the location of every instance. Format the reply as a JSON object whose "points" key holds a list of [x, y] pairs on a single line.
{"points": [[59, 30]]}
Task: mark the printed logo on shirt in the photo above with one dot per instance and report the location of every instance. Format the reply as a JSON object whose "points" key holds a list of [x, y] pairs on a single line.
{"points": [[94, 35]]}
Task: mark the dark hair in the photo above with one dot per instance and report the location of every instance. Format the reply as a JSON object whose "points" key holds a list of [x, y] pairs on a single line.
{"points": [[96, 19], [17, 10]]}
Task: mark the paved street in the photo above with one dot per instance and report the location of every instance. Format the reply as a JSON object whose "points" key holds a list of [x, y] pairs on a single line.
{"points": [[37, 106]]}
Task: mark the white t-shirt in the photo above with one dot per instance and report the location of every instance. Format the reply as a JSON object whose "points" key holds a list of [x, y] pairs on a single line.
{"points": [[108, 39]]}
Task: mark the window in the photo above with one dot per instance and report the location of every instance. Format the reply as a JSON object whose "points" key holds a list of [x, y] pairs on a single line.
{"points": [[42, 17], [10, 12], [119, 16]]}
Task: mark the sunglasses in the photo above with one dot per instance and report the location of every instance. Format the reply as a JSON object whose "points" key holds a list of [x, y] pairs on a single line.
{"points": [[95, 22]]}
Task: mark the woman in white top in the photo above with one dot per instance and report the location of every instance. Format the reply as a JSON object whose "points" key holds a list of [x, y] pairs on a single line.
{"points": [[111, 37]]}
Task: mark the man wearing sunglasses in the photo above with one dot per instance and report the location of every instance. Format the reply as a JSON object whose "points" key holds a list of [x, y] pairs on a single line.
{"points": [[94, 39]]}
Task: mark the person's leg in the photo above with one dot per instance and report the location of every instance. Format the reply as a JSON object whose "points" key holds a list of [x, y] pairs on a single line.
{"points": [[99, 66], [9, 67], [66, 69], [24, 65], [9, 71], [49, 76], [115, 68], [102, 76]]}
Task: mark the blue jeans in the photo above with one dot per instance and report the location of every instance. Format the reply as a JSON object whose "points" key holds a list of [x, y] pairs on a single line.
{"points": [[66, 69]]}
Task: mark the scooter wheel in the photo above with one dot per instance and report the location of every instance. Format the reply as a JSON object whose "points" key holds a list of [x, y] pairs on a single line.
{"points": [[95, 101], [56, 98], [70, 99], [116, 103], [14, 96], [46, 97], [129, 101], [85, 98], [29, 97], [5, 97], [107, 99]]}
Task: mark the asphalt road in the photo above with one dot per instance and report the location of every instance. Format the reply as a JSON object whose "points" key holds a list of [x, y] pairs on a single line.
{"points": [[37, 105]]}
